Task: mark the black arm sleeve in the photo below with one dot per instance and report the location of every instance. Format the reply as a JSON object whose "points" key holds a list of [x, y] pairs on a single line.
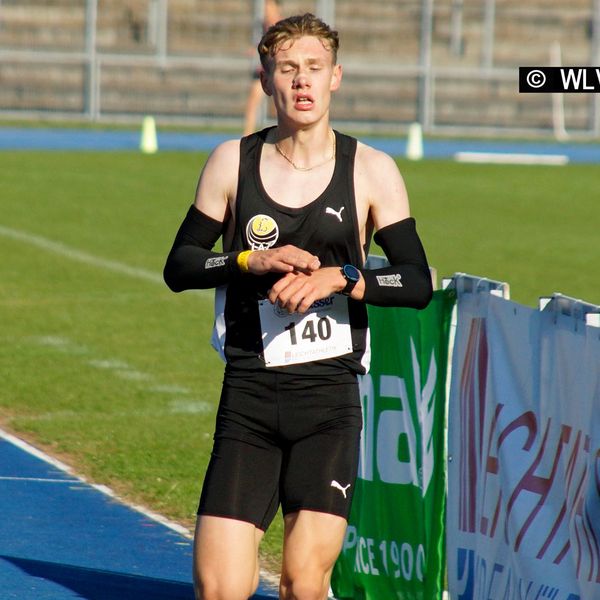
{"points": [[191, 264], [407, 281]]}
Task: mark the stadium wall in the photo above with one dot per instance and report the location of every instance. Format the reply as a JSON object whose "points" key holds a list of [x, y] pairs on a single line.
{"points": [[451, 65]]}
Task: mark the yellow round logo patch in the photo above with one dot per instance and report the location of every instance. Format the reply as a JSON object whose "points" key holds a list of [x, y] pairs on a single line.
{"points": [[262, 232]]}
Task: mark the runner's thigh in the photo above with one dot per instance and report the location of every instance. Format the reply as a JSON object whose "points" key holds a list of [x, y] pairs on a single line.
{"points": [[242, 480], [319, 467]]}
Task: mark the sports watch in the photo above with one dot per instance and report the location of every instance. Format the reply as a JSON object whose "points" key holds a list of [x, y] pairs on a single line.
{"points": [[352, 276]]}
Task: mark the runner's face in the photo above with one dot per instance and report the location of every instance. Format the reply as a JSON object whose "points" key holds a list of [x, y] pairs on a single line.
{"points": [[301, 79]]}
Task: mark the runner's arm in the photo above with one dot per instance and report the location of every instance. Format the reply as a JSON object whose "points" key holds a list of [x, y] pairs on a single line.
{"points": [[191, 263], [407, 281], [382, 195]]}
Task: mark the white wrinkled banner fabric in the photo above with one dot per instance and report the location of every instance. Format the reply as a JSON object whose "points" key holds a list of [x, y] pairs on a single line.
{"points": [[523, 517]]}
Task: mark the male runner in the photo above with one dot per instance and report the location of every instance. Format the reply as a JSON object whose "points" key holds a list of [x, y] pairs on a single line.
{"points": [[295, 205]]}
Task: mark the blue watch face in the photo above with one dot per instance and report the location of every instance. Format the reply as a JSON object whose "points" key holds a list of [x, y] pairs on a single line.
{"points": [[351, 273]]}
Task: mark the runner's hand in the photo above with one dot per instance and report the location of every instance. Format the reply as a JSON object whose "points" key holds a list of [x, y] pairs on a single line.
{"points": [[282, 260], [297, 291]]}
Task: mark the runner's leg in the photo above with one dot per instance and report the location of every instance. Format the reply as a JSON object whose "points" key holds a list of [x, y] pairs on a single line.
{"points": [[226, 563], [312, 543]]}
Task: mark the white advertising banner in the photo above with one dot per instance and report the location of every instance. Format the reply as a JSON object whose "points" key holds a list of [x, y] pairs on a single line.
{"points": [[523, 519]]}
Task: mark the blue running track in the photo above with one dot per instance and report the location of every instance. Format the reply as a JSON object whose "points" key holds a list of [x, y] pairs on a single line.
{"points": [[22, 138], [64, 539]]}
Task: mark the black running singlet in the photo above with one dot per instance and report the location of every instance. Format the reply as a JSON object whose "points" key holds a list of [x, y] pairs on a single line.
{"points": [[327, 227]]}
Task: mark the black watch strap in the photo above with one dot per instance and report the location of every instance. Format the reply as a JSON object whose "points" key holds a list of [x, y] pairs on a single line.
{"points": [[352, 276]]}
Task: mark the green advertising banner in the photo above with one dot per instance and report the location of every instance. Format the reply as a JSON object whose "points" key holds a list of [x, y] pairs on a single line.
{"points": [[394, 545]]}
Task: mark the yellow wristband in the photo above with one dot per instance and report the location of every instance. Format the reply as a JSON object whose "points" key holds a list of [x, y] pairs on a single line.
{"points": [[242, 260]]}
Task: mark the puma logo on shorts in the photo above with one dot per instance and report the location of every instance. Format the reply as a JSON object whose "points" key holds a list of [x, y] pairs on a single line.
{"points": [[335, 484]]}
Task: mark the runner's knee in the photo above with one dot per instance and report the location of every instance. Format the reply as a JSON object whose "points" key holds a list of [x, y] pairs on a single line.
{"points": [[309, 585], [209, 587]]}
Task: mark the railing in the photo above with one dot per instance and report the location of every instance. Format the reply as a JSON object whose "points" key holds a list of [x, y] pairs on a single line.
{"points": [[453, 80]]}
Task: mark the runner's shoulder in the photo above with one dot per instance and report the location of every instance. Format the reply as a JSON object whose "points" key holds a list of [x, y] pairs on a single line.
{"points": [[224, 158], [373, 163]]}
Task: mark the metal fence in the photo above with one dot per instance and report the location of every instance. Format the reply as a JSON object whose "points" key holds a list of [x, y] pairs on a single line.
{"points": [[451, 65]]}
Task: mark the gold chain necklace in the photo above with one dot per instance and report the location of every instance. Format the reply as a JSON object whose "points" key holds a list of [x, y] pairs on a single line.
{"points": [[307, 168]]}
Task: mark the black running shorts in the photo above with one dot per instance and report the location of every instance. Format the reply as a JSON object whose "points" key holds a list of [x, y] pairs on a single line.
{"points": [[283, 439]]}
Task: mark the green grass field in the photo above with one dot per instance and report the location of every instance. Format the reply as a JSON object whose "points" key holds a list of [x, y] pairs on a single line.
{"points": [[107, 369]]}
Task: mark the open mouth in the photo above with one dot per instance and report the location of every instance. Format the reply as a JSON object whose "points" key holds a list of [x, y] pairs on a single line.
{"points": [[303, 102]]}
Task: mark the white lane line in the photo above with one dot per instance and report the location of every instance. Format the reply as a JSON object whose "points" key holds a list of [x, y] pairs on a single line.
{"points": [[512, 158], [101, 488], [74, 254], [190, 407], [170, 389], [60, 344], [39, 479], [109, 364], [174, 407], [15, 441], [122, 370]]}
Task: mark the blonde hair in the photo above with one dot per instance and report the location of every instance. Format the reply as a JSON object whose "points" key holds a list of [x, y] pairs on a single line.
{"points": [[293, 28]]}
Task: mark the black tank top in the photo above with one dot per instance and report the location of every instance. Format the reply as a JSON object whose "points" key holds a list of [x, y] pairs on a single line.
{"points": [[327, 227]]}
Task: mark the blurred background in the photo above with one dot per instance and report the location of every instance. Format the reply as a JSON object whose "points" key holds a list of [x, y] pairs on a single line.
{"points": [[451, 65]]}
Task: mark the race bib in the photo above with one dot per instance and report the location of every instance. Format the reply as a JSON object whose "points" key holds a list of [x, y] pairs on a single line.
{"points": [[322, 332]]}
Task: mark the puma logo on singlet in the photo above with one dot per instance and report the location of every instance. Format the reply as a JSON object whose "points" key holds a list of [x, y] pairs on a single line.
{"points": [[335, 484], [337, 213]]}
